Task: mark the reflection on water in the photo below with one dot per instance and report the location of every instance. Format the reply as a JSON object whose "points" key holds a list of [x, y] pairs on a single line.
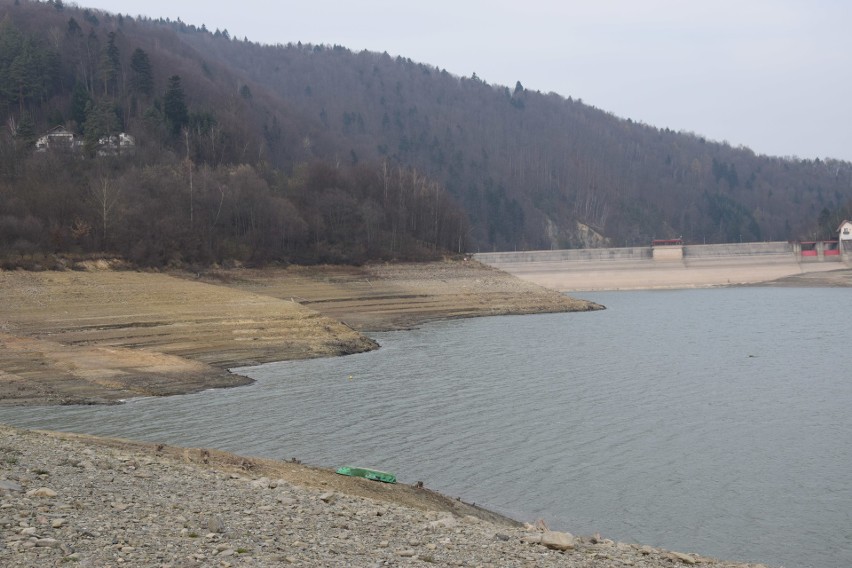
{"points": [[713, 421]]}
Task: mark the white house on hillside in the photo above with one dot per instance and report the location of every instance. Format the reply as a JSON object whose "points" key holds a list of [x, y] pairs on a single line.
{"points": [[844, 235], [58, 138], [116, 144]]}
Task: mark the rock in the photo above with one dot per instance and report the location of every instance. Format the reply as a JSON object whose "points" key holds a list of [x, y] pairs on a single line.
{"points": [[215, 525], [57, 523], [6, 485], [328, 497], [685, 558], [556, 540], [501, 536], [447, 522], [45, 492], [47, 543], [407, 553]]}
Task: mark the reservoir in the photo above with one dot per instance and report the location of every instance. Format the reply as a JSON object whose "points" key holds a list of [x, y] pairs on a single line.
{"points": [[713, 421]]}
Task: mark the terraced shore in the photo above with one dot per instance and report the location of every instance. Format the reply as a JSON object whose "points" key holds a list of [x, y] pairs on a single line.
{"points": [[100, 335]]}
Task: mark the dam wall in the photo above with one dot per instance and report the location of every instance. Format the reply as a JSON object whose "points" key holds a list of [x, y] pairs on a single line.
{"points": [[738, 250], [682, 266], [566, 255]]}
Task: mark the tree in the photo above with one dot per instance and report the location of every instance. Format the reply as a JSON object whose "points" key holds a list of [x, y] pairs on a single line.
{"points": [[101, 121], [104, 194], [110, 65], [174, 106], [80, 100], [74, 27], [142, 80]]}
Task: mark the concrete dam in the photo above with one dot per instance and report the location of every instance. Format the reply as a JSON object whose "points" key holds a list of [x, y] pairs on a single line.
{"points": [[668, 265]]}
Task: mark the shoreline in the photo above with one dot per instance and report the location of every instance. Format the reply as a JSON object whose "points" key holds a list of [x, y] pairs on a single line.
{"points": [[100, 336], [386, 296], [102, 501]]}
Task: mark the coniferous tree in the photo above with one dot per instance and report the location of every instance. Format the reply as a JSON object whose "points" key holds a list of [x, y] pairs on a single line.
{"points": [[142, 80], [174, 106], [80, 100], [110, 65]]}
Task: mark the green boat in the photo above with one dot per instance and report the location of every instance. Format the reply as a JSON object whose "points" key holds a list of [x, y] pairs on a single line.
{"points": [[373, 474]]}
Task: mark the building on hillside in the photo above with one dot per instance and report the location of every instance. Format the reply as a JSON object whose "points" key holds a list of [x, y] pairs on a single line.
{"points": [[116, 144], [844, 236], [57, 138]]}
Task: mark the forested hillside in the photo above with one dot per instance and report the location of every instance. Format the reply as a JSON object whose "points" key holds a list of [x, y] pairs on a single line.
{"points": [[303, 153]]}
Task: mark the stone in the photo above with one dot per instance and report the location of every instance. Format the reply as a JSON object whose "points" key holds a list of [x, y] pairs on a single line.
{"points": [[215, 525], [446, 522], [556, 540], [328, 497], [57, 523], [6, 485], [407, 553], [45, 492], [47, 543], [685, 558]]}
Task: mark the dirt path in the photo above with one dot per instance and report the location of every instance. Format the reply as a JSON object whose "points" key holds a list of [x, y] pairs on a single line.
{"points": [[101, 336]]}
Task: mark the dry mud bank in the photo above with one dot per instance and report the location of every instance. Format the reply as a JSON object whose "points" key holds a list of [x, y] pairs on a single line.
{"points": [[84, 337], [76, 500]]}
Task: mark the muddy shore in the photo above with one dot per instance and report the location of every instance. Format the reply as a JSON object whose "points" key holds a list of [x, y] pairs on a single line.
{"points": [[101, 335]]}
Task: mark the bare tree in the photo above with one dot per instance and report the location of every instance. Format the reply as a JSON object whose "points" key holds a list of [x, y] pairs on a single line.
{"points": [[104, 194]]}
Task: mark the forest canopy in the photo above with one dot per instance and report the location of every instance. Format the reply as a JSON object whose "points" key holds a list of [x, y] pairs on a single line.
{"points": [[167, 143]]}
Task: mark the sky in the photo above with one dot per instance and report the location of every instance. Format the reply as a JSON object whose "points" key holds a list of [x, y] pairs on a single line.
{"points": [[771, 75]]}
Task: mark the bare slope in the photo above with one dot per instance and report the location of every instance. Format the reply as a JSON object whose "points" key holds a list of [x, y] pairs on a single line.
{"points": [[100, 336]]}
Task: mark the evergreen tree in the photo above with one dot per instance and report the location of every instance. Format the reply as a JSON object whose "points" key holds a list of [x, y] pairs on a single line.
{"points": [[110, 65], [174, 106], [142, 80], [80, 100]]}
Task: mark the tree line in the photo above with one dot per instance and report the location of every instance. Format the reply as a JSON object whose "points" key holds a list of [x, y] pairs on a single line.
{"points": [[313, 153], [197, 188]]}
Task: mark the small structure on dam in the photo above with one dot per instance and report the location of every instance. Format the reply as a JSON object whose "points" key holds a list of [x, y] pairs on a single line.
{"points": [[667, 249]]}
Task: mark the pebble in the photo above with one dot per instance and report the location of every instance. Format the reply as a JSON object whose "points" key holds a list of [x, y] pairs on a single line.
{"points": [[183, 513]]}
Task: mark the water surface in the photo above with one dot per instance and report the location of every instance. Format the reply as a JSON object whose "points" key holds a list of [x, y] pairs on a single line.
{"points": [[714, 421]]}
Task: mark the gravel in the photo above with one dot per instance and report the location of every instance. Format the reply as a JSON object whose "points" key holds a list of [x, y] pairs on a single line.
{"points": [[78, 502]]}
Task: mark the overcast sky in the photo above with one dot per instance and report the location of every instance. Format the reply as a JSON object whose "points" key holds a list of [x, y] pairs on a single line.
{"points": [[773, 75]]}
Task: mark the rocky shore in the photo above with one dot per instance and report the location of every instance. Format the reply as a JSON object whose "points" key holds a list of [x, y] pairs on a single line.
{"points": [[81, 501]]}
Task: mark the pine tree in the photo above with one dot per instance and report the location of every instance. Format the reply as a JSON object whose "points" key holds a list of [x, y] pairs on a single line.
{"points": [[110, 65], [142, 81], [174, 106]]}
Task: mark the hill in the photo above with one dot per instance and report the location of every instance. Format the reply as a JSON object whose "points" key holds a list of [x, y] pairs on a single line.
{"points": [[313, 153]]}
